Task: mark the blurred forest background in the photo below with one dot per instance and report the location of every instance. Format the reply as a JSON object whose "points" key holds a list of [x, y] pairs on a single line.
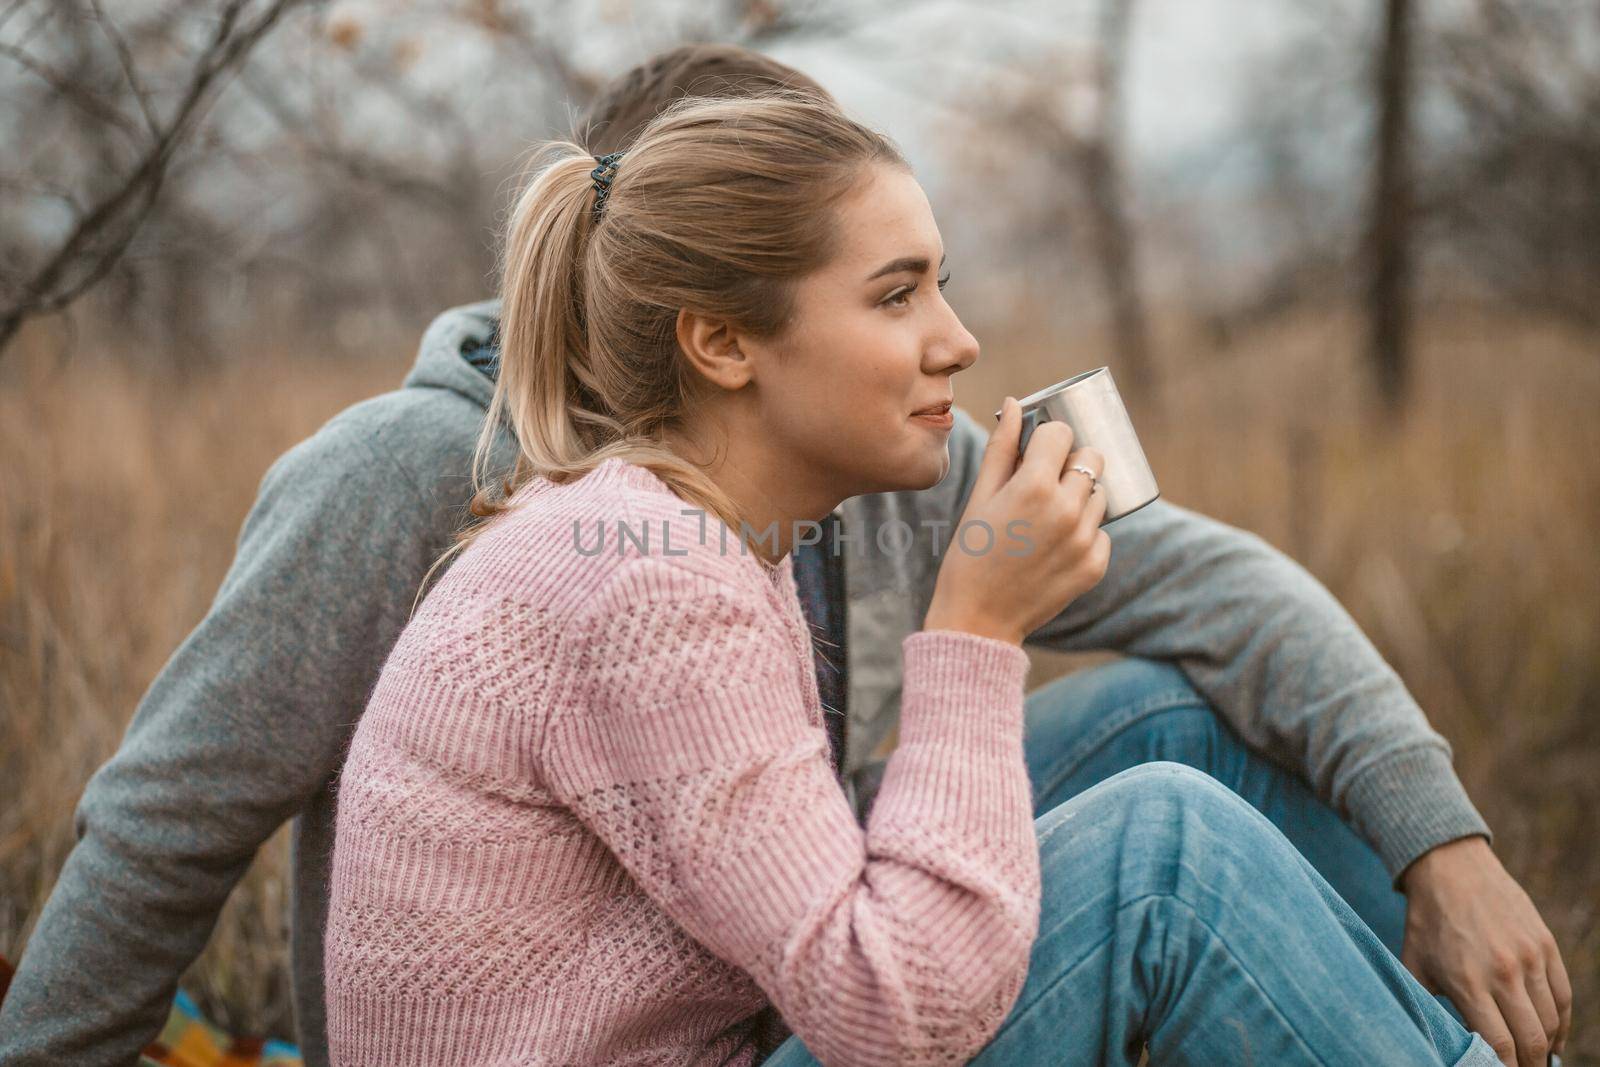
{"points": [[1343, 257]]}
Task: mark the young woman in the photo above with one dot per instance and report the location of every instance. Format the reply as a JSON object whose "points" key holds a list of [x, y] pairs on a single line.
{"points": [[589, 815]]}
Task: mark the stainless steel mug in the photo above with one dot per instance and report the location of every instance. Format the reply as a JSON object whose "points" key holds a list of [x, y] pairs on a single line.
{"points": [[1090, 404]]}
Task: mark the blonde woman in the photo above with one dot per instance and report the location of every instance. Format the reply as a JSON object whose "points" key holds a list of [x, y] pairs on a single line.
{"points": [[589, 816]]}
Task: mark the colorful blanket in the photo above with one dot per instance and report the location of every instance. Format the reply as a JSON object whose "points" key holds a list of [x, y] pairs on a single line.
{"points": [[190, 1040]]}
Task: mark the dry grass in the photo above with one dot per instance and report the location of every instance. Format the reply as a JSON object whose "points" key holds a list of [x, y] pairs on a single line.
{"points": [[121, 496], [1464, 544]]}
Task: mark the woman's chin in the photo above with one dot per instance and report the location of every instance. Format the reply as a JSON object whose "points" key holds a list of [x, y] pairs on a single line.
{"points": [[923, 468], [917, 464]]}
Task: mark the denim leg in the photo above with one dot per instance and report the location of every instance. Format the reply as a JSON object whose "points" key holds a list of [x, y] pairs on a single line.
{"points": [[1085, 727], [1174, 915]]}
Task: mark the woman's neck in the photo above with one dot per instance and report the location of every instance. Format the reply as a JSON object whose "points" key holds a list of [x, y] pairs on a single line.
{"points": [[772, 493]]}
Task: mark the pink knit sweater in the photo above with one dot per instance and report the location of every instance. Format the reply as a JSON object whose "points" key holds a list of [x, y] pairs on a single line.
{"points": [[589, 817]]}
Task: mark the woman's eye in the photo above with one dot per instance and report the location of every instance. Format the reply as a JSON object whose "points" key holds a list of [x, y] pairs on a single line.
{"points": [[900, 297]]}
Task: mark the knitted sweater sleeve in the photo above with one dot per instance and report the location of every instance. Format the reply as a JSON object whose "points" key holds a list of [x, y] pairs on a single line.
{"points": [[686, 745]]}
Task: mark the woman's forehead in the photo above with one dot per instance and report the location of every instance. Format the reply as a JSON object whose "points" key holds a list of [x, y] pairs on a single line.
{"points": [[885, 218]]}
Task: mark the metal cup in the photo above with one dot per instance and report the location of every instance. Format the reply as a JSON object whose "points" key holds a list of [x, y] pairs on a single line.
{"points": [[1090, 404]]}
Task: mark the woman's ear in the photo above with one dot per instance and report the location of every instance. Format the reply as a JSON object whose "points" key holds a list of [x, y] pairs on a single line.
{"points": [[712, 347]]}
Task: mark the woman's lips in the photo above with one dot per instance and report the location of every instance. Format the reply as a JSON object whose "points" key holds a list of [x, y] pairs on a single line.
{"points": [[939, 416]]}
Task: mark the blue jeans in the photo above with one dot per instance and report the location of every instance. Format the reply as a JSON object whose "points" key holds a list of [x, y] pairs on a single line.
{"points": [[1176, 916]]}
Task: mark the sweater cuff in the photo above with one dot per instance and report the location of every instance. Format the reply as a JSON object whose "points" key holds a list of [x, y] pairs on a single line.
{"points": [[1412, 803], [959, 687]]}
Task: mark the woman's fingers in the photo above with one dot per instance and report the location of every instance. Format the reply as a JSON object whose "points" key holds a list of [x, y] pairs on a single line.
{"points": [[1095, 510], [1048, 448], [1090, 458], [1085, 490], [1000, 457]]}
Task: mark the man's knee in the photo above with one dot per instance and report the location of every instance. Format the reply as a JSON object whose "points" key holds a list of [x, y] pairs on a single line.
{"points": [[1170, 785], [1155, 801]]}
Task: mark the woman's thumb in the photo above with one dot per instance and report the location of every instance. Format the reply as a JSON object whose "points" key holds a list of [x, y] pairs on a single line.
{"points": [[1000, 458]]}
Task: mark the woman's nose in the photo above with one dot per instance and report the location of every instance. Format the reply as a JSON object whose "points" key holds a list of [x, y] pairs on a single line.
{"points": [[955, 349]]}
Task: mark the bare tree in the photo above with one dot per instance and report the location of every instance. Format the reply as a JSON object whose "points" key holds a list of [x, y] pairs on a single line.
{"points": [[103, 230], [353, 175], [1511, 197], [1484, 153], [1069, 114], [1389, 228], [1098, 151]]}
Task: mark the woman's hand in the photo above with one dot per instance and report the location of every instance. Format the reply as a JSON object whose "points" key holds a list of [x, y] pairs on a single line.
{"points": [[1047, 547]]}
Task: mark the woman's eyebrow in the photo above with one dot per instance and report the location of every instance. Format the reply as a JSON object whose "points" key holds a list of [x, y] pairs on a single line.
{"points": [[910, 264]]}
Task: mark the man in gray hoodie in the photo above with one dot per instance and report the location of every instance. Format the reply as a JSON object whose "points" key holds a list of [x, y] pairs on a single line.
{"points": [[1240, 663]]}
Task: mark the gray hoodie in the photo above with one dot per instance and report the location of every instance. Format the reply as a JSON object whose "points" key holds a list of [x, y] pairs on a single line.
{"points": [[247, 724]]}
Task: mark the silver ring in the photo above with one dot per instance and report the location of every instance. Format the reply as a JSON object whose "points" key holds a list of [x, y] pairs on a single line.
{"points": [[1094, 482]]}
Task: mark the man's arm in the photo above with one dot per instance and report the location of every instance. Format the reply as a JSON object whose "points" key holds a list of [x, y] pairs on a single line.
{"points": [[1279, 658], [247, 721]]}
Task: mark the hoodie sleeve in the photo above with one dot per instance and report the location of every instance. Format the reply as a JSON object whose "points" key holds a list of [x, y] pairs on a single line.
{"points": [[244, 725], [688, 750], [1279, 658]]}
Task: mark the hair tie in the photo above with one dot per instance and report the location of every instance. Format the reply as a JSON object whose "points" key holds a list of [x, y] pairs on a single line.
{"points": [[601, 178]]}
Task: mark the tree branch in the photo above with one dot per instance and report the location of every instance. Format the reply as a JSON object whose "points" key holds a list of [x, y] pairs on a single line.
{"points": [[64, 87], [125, 58], [49, 290], [362, 167]]}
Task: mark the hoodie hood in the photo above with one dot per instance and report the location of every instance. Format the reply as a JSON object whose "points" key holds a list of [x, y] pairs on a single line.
{"points": [[457, 352]]}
